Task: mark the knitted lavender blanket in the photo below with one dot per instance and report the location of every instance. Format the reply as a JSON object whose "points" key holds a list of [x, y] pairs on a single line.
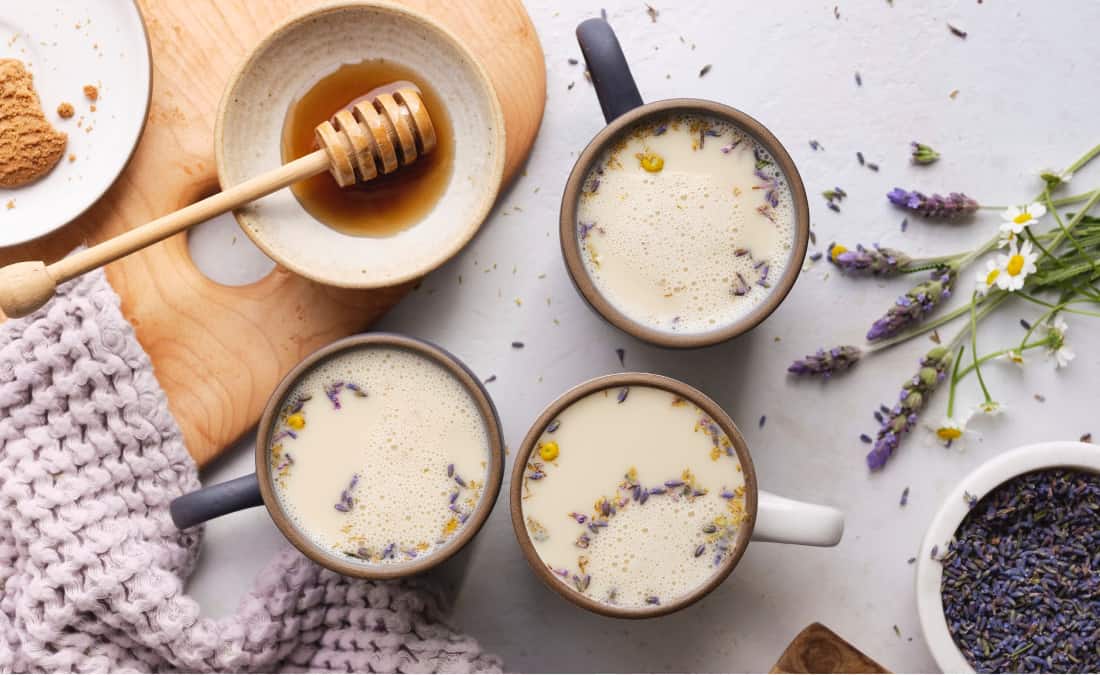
{"points": [[92, 569]]}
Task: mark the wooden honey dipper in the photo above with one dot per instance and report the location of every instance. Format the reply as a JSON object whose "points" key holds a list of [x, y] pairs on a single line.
{"points": [[385, 130]]}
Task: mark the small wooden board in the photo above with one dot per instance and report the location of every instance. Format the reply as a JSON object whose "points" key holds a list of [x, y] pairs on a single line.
{"points": [[819, 650], [219, 351]]}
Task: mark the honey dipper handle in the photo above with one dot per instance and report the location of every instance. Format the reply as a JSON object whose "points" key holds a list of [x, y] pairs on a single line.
{"points": [[26, 286]]}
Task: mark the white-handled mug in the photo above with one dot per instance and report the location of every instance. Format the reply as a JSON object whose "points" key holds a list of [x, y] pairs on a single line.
{"points": [[767, 517]]}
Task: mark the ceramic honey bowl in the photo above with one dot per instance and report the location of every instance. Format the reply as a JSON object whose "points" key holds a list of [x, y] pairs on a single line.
{"points": [[300, 66], [684, 222]]}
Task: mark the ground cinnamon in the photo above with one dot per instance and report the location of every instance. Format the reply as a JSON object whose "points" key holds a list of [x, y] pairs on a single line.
{"points": [[29, 145]]}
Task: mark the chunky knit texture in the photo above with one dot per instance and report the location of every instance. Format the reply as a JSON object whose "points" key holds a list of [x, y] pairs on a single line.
{"points": [[91, 567]]}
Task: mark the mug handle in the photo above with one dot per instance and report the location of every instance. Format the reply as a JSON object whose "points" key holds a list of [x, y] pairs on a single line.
{"points": [[608, 68], [787, 521], [215, 500]]}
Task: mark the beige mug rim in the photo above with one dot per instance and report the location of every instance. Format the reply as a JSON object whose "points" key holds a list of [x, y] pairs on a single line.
{"points": [[493, 481], [570, 244], [494, 180], [616, 380]]}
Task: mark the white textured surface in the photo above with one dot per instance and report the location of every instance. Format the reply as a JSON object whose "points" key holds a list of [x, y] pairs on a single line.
{"points": [[1024, 103]]}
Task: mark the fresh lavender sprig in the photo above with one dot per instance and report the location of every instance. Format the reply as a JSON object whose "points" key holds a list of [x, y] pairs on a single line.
{"points": [[876, 261], [827, 362], [924, 154], [903, 416], [954, 205], [912, 307]]}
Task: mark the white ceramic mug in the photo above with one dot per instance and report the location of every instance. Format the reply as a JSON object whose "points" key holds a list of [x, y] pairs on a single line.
{"points": [[770, 517]]}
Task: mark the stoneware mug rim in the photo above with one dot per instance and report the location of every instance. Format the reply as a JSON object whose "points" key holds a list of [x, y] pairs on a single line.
{"points": [[255, 489], [986, 477], [623, 107], [612, 381], [470, 382]]}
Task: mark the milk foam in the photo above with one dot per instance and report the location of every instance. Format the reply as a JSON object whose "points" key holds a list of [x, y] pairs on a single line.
{"points": [[666, 247], [401, 439], [648, 551]]}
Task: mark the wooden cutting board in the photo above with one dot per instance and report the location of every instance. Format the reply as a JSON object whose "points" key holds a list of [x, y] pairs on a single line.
{"points": [[819, 650], [218, 351]]}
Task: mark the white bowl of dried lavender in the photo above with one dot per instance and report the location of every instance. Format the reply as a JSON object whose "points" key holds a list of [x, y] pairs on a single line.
{"points": [[1008, 578]]}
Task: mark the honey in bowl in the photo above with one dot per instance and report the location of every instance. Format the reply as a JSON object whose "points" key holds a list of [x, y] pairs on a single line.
{"points": [[387, 204]]}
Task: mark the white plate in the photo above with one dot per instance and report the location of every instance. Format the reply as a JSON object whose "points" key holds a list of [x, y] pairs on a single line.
{"points": [[67, 45]]}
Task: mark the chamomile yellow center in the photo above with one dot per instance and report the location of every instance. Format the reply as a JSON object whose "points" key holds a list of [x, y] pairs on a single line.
{"points": [[1015, 264], [549, 451], [1022, 218], [949, 433], [651, 161], [991, 278]]}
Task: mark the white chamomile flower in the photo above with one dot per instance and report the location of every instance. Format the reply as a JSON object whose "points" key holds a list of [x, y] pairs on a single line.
{"points": [[1018, 217], [1055, 178], [986, 279], [950, 432], [1059, 351], [1014, 356], [1016, 266], [991, 408]]}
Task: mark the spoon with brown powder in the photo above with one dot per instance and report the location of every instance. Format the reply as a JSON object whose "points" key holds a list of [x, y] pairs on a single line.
{"points": [[382, 132]]}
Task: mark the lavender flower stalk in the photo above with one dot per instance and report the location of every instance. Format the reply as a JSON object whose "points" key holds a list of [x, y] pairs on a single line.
{"points": [[954, 205], [827, 362], [924, 154], [912, 307], [903, 416], [876, 261]]}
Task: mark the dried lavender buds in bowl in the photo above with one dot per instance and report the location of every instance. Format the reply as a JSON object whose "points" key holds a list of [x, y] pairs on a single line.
{"points": [[1008, 577]]}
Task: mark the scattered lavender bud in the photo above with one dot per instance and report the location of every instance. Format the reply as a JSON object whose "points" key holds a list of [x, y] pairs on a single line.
{"points": [[573, 61], [956, 31], [621, 353], [815, 146], [859, 79], [864, 438], [553, 426], [704, 70], [859, 158], [1025, 324], [904, 497], [491, 378], [623, 393], [872, 166], [827, 362], [517, 345], [763, 419], [923, 154], [954, 205]]}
